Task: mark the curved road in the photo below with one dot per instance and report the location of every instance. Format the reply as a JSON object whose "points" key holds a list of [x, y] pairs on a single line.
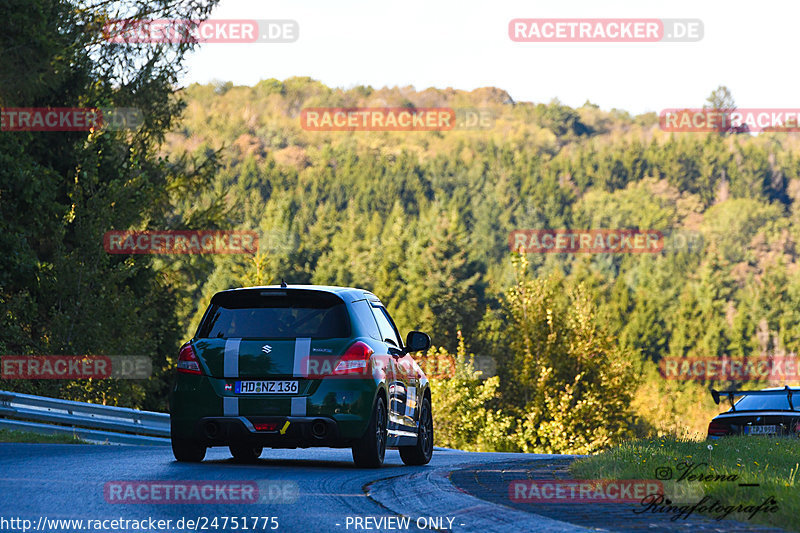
{"points": [[322, 490]]}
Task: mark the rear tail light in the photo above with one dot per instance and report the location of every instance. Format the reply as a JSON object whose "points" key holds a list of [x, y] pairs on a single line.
{"points": [[716, 429], [266, 427], [188, 363], [355, 359]]}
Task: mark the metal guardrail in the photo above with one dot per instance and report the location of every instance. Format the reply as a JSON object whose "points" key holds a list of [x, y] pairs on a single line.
{"points": [[88, 421]]}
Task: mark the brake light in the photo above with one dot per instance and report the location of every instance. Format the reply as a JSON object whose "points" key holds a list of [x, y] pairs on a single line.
{"points": [[354, 360], [266, 427], [188, 363], [718, 428]]}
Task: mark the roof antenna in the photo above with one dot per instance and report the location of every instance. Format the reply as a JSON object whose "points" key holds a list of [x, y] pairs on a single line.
{"points": [[283, 284]]}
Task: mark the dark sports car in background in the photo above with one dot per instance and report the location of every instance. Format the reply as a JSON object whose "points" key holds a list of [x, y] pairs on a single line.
{"points": [[773, 411], [301, 366]]}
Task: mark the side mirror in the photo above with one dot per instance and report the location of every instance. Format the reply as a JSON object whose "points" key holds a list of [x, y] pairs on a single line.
{"points": [[417, 342]]}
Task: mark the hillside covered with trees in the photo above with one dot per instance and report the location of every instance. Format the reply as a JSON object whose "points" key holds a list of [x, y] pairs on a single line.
{"points": [[422, 219]]}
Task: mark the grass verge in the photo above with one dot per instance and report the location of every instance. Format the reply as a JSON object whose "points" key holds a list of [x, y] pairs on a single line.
{"points": [[772, 463], [8, 435]]}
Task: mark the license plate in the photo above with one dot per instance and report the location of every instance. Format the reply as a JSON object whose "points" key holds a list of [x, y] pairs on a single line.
{"points": [[760, 430], [266, 387]]}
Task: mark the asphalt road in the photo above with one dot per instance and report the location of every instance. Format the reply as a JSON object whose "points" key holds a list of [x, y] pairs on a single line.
{"points": [[314, 490], [320, 489]]}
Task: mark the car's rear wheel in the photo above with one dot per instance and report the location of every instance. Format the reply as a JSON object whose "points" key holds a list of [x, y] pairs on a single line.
{"points": [[370, 449], [422, 451], [187, 451], [246, 454]]}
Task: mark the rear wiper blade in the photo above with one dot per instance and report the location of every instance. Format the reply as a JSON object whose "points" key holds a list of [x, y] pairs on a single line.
{"points": [[302, 320]]}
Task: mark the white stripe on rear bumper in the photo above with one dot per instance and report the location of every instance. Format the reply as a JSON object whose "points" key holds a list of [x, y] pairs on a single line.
{"points": [[230, 367], [302, 350], [230, 406], [299, 406]]}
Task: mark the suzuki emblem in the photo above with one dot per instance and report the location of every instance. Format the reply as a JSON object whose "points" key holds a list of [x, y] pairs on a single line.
{"points": [[266, 348]]}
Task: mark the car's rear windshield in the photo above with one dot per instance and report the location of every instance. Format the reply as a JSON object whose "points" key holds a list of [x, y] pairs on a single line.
{"points": [[273, 314], [767, 402]]}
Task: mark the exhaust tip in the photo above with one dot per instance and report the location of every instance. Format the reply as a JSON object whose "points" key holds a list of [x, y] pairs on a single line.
{"points": [[212, 430], [319, 429]]}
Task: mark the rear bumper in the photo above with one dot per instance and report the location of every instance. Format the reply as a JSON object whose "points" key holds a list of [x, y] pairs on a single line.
{"points": [[344, 406], [746, 424], [283, 432]]}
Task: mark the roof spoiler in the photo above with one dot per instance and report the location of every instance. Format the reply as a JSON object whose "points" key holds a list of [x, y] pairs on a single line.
{"points": [[731, 393]]}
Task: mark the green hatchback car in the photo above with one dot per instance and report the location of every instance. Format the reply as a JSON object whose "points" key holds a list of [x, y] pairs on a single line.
{"points": [[297, 366]]}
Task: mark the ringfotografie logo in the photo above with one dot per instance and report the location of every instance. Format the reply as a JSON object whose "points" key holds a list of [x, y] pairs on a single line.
{"points": [[687, 479]]}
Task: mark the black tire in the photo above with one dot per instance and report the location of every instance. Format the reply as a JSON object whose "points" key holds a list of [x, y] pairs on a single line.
{"points": [[370, 449], [246, 454], [187, 451], [422, 451]]}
